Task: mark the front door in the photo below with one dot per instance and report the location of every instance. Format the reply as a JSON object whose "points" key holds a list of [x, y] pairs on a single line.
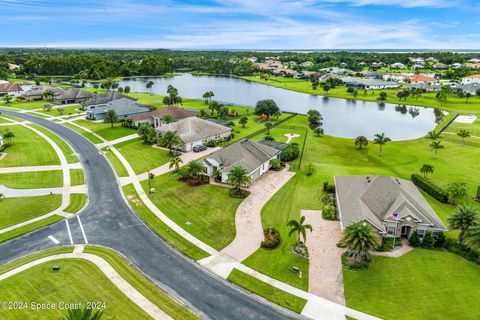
{"points": [[406, 230]]}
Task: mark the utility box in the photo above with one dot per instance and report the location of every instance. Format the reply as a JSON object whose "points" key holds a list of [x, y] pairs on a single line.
{"points": [[56, 268]]}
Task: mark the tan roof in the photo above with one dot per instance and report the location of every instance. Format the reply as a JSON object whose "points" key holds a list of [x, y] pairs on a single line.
{"points": [[175, 112], [10, 87], [193, 129], [74, 93]]}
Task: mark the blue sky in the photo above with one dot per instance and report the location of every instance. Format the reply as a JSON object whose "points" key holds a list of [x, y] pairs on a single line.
{"points": [[242, 24]]}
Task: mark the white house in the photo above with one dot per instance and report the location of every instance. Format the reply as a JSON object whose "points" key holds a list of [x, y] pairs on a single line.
{"points": [[253, 156], [475, 78], [195, 131]]}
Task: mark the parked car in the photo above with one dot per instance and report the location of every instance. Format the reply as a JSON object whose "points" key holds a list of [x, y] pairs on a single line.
{"points": [[199, 148]]}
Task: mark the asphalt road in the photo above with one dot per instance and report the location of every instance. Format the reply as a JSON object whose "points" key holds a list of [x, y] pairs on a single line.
{"points": [[109, 221]]}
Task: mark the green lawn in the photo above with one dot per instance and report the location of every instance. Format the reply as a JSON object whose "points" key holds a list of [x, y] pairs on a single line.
{"points": [[78, 281], [105, 130], [267, 291], [142, 284], [28, 149], [27, 105], [253, 125], [86, 134], [426, 100], [73, 110], [34, 179], [16, 210], [77, 177], [207, 211], [67, 151], [160, 228], [115, 162], [77, 201], [420, 285], [142, 157]]}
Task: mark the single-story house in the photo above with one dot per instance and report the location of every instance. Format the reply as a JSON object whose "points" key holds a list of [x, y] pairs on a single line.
{"points": [[253, 156], [398, 65], [10, 88], [123, 107], [475, 78], [73, 95], [104, 98], [195, 131], [1, 140], [36, 93], [393, 206], [155, 118], [426, 86], [440, 66], [368, 84], [468, 88], [420, 78]]}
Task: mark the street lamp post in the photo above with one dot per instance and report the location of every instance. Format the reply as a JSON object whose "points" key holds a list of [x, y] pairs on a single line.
{"points": [[150, 178]]}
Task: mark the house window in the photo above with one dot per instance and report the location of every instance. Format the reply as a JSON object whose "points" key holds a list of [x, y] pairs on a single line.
{"points": [[390, 231], [421, 233], [435, 234]]}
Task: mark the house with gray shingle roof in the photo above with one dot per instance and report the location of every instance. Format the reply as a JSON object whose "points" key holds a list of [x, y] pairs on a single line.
{"points": [[123, 107], [73, 95], [156, 117], [253, 156], [375, 199]]}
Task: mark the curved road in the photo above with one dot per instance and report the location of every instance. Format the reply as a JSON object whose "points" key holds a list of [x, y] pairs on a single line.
{"points": [[109, 221]]}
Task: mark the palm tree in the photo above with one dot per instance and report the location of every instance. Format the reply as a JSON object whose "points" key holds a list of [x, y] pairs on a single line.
{"points": [[83, 314], [243, 121], [463, 134], [435, 146], [432, 135], [269, 126], [149, 86], [426, 169], [359, 240], [194, 168], [8, 136], [361, 141], [175, 162], [381, 140], [472, 236], [111, 116], [300, 228], [7, 99], [48, 93], [169, 140], [238, 178], [462, 219]]}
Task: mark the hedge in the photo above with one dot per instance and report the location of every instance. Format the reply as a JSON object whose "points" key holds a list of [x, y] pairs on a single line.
{"points": [[430, 188]]}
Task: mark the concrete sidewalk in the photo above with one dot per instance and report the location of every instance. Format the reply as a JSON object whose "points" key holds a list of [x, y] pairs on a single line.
{"points": [[38, 168]]}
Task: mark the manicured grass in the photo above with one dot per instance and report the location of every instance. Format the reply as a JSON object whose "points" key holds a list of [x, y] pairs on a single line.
{"points": [[16, 210], [67, 151], [115, 162], [142, 284], [28, 149], [253, 125], [77, 201], [86, 134], [78, 281], [267, 291], [29, 227], [73, 110], [142, 157], [426, 100], [76, 176], [34, 179], [105, 130], [419, 285], [206, 211], [27, 105], [160, 228]]}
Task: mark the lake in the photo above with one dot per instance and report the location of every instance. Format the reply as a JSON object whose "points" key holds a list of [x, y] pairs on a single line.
{"points": [[342, 117]]}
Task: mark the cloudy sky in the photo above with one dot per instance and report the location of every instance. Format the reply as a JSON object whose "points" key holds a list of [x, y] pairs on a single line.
{"points": [[242, 24]]}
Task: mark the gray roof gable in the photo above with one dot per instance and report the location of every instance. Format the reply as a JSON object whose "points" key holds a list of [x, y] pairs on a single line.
{"points": [[106, 97], [193, 129], [121, 106]]}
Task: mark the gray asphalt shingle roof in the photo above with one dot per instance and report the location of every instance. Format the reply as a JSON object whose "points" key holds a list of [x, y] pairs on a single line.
{"points": [[121, 106]]}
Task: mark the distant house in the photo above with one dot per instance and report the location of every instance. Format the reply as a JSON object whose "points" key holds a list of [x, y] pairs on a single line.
{"points": [[391, 205], [397, 77], [368, 84], [471, 79], [398, 65], [99, 100], [123, 107], [1, 140], [457, 65], [253, 156], [468, 88], [36, 93], [74, 95], [428, 87], [306, 64], [440, 66], [156, 118], [195, 131], [10, 88], [420, 78], [474, 60], [416, 66]]}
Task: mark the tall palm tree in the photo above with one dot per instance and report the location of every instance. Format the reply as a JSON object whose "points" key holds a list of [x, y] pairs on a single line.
{"points": [[435, 146], [194, 168], [111, 116], [149, 86], [463, 134], [175, 162], [238, 178], [426, 169], [169, 140], [300, 228], [48, 93], [381, 140], [433, 135], [359, 240], [472, 236], [83, 314], [462, 219]]}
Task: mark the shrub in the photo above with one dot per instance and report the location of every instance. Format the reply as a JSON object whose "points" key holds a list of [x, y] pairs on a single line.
{"points": [[269, 138], [276, 164], [430, 188], [440, 240], [290, 153], [387, 244], [329, 188], [272, 238], [457, 191], [414, 239], [454, 247], [211, 143], [428, 242], [309, 169], [326, 199], [351, 264], [329, 212]]}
